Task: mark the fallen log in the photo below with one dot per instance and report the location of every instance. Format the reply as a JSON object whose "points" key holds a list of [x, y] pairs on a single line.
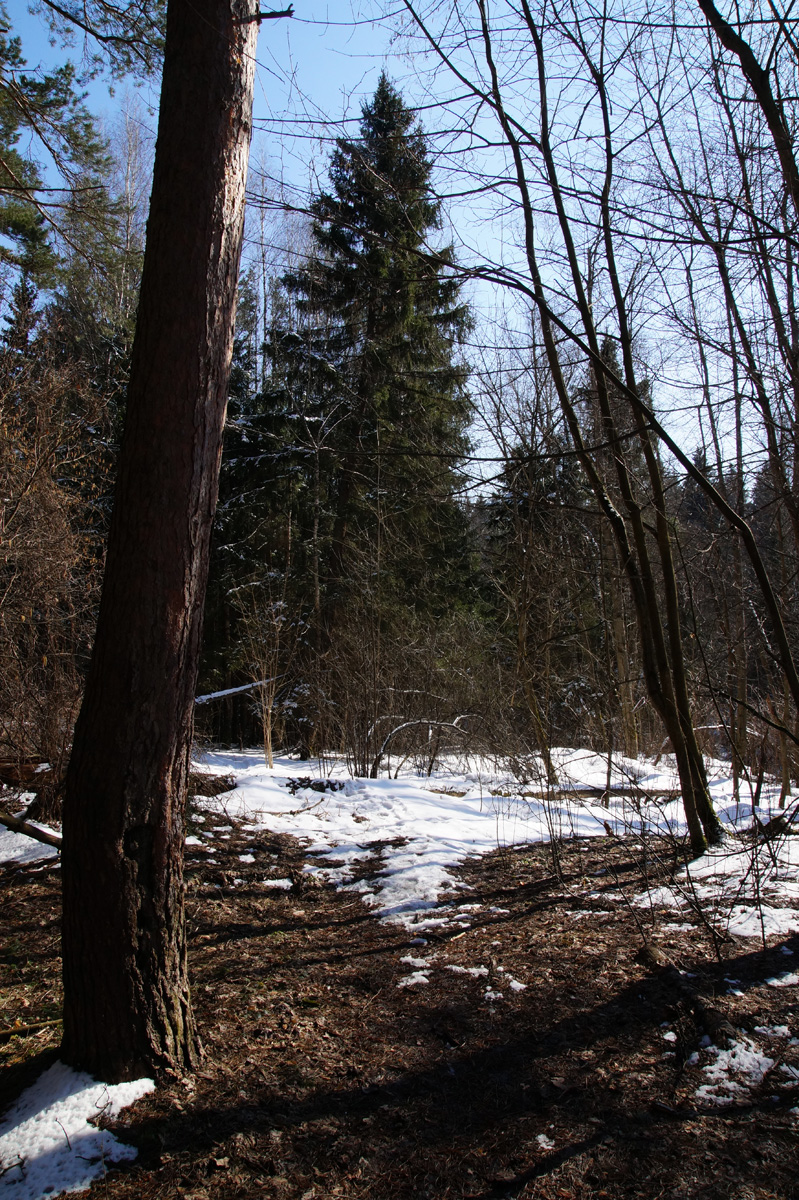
{"points": [[20, 825]]}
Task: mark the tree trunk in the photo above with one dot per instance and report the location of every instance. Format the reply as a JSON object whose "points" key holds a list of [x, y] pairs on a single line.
{"points": [[126, 993]]}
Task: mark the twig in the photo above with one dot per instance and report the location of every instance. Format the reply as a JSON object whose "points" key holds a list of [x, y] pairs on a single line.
{"points": [[293, 812], [373, 996], [22, 1030], [265, 16]]}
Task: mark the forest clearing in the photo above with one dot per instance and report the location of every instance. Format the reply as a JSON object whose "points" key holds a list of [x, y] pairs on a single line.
{"points": [[446, 986]]}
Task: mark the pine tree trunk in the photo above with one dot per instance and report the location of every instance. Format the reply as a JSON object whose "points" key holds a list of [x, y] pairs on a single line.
{"points": [[126, 993]]}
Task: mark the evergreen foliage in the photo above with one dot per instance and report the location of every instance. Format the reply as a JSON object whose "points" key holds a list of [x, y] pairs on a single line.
{"points": [[371, 360], [125, 37], [44, 110], [341, 473]]}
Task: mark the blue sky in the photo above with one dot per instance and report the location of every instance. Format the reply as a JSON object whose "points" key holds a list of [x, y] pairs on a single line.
{"points": [[315, 68], [318, 65], [314, 72]]}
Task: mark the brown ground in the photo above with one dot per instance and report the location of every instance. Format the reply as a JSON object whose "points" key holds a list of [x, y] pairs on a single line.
{"points": [[322, 1078]]}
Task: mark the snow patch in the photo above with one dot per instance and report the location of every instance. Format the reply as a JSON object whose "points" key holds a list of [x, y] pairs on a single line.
{"points": [[733, 1072], [47, 1145], [19, 848], [413, 979], [788, 979]]}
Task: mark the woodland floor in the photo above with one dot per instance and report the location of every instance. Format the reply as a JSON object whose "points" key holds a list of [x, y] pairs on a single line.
{"points": [[323, 1078]]}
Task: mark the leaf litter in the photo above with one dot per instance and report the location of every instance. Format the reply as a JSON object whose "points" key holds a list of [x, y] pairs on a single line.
{"points": [[543, 1056]]}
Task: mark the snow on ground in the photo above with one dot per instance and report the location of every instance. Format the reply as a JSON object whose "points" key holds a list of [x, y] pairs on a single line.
{"points": [[396, 842], [747, 886], [413, 831], [47, 1145], [18, 848], [732, 1073]]}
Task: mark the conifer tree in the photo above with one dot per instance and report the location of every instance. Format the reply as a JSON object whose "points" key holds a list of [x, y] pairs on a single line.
{"points": [[340, 474], [380, 316], [41, 115]]}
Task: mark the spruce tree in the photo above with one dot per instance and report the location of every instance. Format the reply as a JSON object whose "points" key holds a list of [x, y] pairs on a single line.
{"points": [[374, 357], [340, 474]]}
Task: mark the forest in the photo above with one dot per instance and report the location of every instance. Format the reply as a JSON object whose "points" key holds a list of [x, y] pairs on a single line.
{"points": [[445, 505], [426, 528]]}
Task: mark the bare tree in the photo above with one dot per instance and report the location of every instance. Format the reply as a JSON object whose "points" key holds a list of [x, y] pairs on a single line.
{"points": [[268, 643], [542, 173], [50, 473], [723, 177]]}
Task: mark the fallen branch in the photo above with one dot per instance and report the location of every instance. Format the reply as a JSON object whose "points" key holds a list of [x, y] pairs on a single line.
{"points": [[24, 1030], [20, 825], [236, 691]]}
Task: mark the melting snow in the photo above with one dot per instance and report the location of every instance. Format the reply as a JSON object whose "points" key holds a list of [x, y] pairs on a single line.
{"points": [[403, 838], [733, 1072], [18, 848], [396, 842], [789, 979], [47, 1145], [414, 836], [412, 979]]}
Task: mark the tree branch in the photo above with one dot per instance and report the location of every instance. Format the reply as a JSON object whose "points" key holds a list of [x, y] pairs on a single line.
{"points": [[758, 79], [20, 825], [266, 16]]}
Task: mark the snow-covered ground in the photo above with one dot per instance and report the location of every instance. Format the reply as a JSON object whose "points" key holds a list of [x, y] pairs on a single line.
{"points": [[47, 1145], [397, 843], [407, 836], [412, 832], [418, 829], [16, 848]]}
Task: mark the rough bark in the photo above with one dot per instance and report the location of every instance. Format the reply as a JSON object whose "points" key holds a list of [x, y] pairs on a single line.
{"points": [[127, 1008]]}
